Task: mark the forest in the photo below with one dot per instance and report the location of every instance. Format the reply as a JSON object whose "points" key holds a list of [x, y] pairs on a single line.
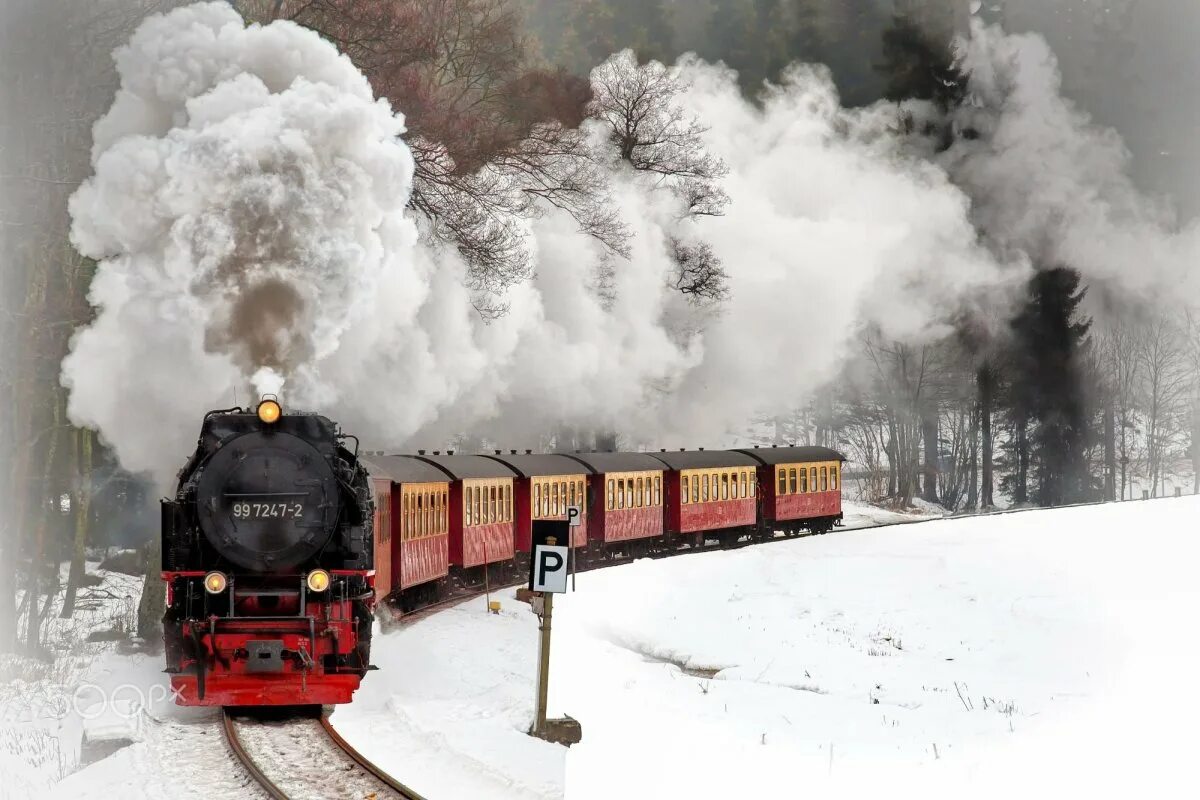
{"points": [[1074, 396]]}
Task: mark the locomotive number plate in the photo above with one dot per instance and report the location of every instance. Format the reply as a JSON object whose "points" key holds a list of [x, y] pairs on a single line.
{"points": [[268, 510]]}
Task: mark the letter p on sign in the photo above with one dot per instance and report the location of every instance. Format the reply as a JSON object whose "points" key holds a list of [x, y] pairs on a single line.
{"points": [[549, 568]]}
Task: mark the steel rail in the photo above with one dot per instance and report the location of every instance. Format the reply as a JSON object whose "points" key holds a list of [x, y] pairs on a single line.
{"points": [[396, 786], [248, 764]]}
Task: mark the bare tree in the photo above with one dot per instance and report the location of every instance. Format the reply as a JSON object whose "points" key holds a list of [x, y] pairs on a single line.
{"points": [[648, 129], [1164, 386], [1122, 369], [901, 376], [494, 138]]}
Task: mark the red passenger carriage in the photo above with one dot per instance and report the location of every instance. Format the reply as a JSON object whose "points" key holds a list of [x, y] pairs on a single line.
{"points": [[546, 486], [801, 487], [481, 518], [412, 526], [709, 491], [625, 492]]}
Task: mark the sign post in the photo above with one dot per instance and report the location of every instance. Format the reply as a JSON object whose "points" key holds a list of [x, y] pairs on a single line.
{"points": [[548, 576]]}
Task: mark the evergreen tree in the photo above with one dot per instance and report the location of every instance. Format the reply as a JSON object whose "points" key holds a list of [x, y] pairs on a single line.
{"points": [[1047, 407], [920, 65]]}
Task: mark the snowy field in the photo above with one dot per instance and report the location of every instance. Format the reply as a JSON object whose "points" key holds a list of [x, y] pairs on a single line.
{"points": [[1047, 651], [1034, 651]]}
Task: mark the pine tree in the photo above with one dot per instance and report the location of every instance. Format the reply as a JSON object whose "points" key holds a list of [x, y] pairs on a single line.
{"points": [[1047, 404]]}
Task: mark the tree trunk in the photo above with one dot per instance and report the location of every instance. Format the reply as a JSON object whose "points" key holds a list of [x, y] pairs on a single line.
{"points": [[1021, 492], [8, 598], [1124, 455], [82, 508], [37, 553], [154, 595], [973, 463], [1195, 449], [986, 388], [1110, 452], [892, 458], [929, 436]]}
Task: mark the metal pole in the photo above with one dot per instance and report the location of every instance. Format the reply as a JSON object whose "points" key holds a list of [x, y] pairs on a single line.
{"points": [[539, 725]]}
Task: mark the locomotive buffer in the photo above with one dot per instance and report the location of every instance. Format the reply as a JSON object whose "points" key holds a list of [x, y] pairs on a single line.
{"points": [[547, 577]]}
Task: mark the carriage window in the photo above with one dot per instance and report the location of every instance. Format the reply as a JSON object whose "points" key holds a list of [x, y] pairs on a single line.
{"points": [[683, 492], [441, 512], [782, 481], [792, 480], [724, 485], [743, 484], [833, 478], [610, 494], [620, 493], [537, 500], [658, 491], [824, 479], [478, 506], [803, 480], [571, 493], [704, 488], [638, 496], [562, 494], [629, 492], [554, 499], [494, 510], [404, 519], [812, 479], [753, 483]]}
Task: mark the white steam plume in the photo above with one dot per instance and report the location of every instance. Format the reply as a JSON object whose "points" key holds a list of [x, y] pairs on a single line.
{"points": [[247, 209], [1048, 181]]}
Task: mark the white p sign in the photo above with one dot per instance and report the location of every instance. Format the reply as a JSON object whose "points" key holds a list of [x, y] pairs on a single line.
{"points": [[549, 568], [574, 516]]}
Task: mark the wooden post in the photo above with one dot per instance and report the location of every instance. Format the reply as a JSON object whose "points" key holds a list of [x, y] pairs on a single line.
{"points": [[543, 676]]}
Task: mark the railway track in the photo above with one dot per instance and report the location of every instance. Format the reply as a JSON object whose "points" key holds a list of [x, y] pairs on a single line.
{"points": [[274, 752]]}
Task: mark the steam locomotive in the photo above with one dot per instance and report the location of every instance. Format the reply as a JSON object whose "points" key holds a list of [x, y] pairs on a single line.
{"points": [[267, 556]]}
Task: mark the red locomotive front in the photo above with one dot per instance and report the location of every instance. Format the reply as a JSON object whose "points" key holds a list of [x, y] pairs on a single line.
{"points": [[267, 554]]}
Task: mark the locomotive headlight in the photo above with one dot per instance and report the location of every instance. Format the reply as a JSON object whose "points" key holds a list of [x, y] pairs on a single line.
{"points": [[269, 412], [318, 580], [215, 582]]}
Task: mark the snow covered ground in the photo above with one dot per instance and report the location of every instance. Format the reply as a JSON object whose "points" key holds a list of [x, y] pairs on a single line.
{"points": [[1047, 651], [1033, 652]]}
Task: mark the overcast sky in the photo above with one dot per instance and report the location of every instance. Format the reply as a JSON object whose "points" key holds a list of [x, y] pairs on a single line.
{"points": [[1153, 98]]}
